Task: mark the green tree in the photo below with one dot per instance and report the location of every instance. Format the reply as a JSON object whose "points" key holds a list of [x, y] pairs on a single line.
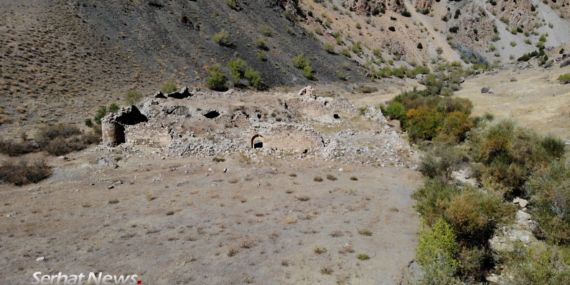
{"points": [[216, 80]]}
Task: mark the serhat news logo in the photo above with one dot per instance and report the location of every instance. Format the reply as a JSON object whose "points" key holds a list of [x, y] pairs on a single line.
{"points": [[91, 278]]}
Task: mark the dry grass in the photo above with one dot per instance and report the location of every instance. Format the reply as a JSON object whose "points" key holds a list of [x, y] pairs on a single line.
{"points": [[303, 198], [365, 232], [331, 177], [318, 179], [319, 250], [326, 270]]}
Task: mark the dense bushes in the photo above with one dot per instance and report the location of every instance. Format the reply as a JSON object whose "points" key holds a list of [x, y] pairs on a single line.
{"points": [[511, 153], [24, 172], [216, 80], [303, 63], [239, 70], [549, 191]]}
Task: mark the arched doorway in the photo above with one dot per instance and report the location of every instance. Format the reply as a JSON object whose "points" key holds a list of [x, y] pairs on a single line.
{"points": [[257, 141]]}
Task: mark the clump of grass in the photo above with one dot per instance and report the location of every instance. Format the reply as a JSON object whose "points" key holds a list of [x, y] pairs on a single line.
{"points": [[168, 87], [133, 97], [170, 213], [363, 257], [114, 201], [564, 79], [149, 196], [293, 175], [365, 232], [218, 159], [327, 270], [319, 250], [331, 177], [318, 179], [232, 252], [353, 178]]}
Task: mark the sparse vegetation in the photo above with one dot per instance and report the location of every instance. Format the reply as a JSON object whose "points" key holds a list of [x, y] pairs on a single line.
{"points": [[133, 97], [168, 87], [564, 79], [223, 38]]}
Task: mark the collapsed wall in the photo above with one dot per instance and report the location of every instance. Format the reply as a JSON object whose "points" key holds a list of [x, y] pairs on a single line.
{"points": [[214, 123]]}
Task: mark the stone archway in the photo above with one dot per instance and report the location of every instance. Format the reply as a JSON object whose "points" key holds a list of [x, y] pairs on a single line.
{"points": [[257, 141]]}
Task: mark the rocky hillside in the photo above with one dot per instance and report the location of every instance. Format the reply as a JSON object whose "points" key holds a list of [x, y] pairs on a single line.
{"points": [[63, 59]]}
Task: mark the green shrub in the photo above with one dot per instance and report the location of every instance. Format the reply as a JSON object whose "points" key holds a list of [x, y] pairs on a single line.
{"points": [[216, 80], [440, 161], [88, 123], [329, 48], [254, 78], [101, 113], [564, 79], [308, 72], [114, 108], [133, 97], [549, 192], [237, 69], [423, 123], [223, 38], [345, 52], [474, 216], [341, 75], [396, 111], [455, 128], [420, 46], [437, 243], [454, 29], [261, 55], [260, 43], [511, 153], [536, 265], [168, 87], [433, 199], [301, 61]]}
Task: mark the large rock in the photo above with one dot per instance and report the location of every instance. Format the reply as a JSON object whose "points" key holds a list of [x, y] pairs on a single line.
{"points": [[485, 89]]}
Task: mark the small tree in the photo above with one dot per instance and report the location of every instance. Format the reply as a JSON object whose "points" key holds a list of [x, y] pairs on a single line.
{"points": [[237, 69], [216, 80]]}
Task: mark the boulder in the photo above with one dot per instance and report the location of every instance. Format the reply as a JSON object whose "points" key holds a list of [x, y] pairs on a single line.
{"points": [[491, 91], [308, 91], [514, 79], [181, 94], [485, 89], [521, 202]]}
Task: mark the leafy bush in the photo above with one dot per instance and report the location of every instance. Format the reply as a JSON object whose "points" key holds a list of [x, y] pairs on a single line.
{"points": [[237, 69], [101, 113], [423, 123], [454, 29], [455, 128], [265, 30], [114, 108], [395, 110], [549, 191], [536, 265], [254, 78], [308, 72], [511, 153], [216, 80], [564, 79], [437, 243], [168, 87], [433, 199], [301, 61], [223, 38], [440, 161], [133, 97], [24, 172]]}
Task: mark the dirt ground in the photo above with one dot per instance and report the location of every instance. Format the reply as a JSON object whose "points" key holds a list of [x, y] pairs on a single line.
{"points": [[186, 221], [536, 99]]}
